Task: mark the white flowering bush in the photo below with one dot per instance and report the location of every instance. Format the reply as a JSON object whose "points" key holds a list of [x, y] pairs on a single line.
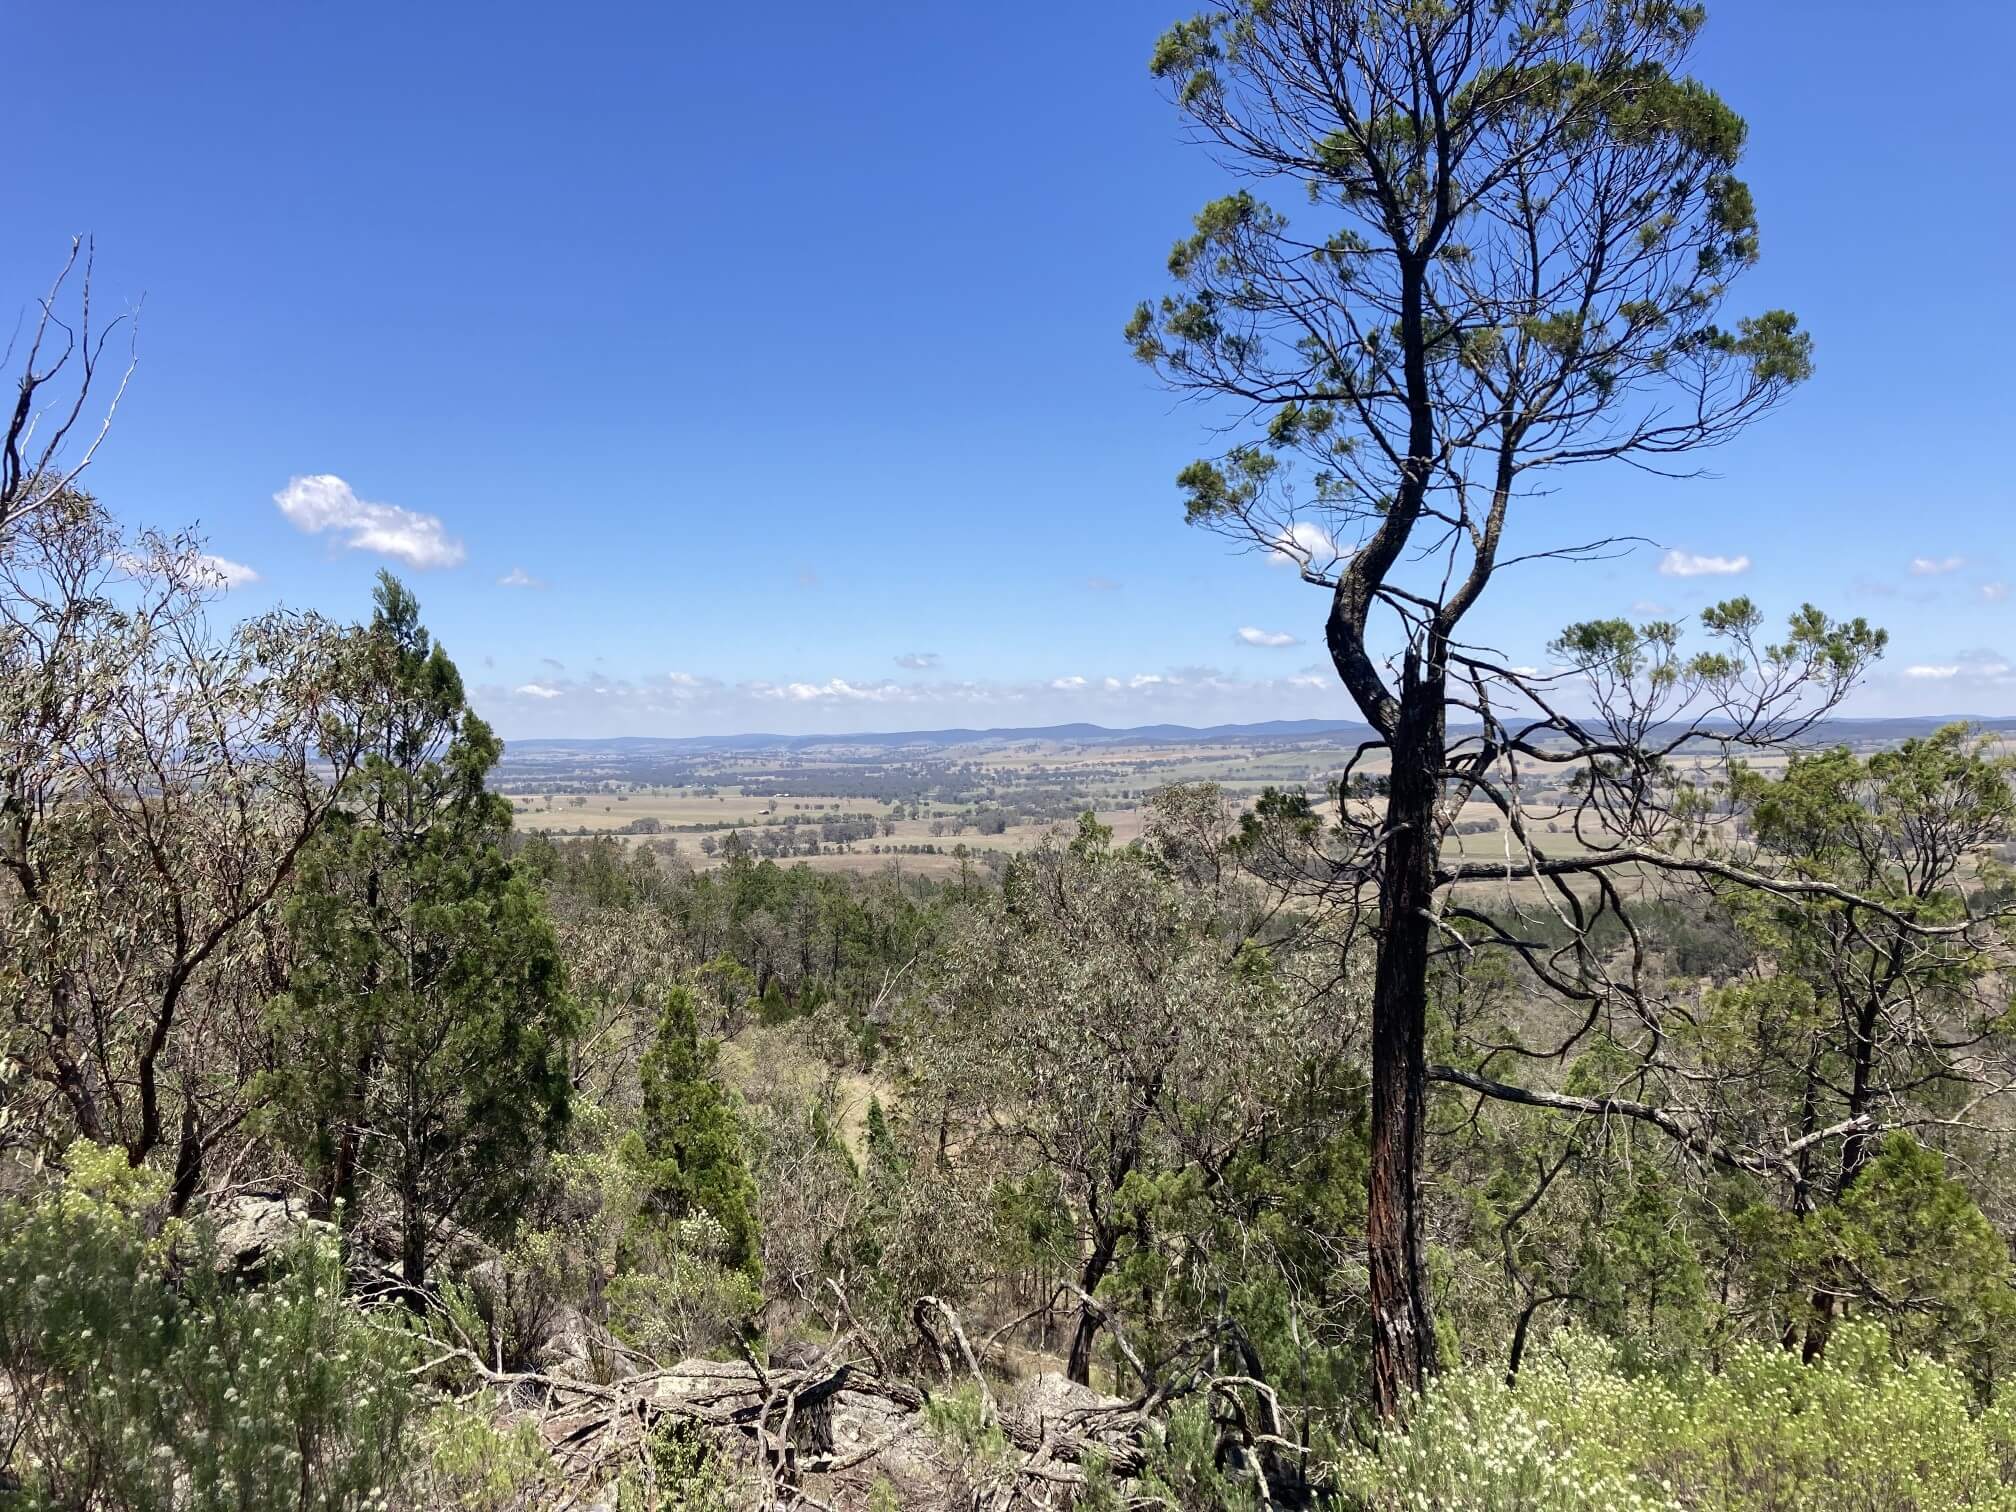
{"points": [[1570, 1437], [1858, 1431], [139, 1379]]}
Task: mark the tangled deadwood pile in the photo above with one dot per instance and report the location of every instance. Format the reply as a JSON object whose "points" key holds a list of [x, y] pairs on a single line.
{"points": [[829, 1428]]}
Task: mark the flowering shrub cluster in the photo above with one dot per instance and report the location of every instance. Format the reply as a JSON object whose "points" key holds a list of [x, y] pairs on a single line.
{"points": [[1857, 1431], [136, 1377]]}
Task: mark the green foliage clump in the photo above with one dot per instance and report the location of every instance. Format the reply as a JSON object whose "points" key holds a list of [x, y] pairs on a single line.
{"points": [[1578, 1433], [139, 1378], [959, 1418], [1905, 1242], [477, 1463], [691, 1260], [680, 1473]]}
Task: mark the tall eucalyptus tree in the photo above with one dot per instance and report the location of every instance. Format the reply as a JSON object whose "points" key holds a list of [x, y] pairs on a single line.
{"points": [[1523, 222]]}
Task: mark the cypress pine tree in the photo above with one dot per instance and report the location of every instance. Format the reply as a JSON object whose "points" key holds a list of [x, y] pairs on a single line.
{"points": [[422, 1041], [688, 1147]]}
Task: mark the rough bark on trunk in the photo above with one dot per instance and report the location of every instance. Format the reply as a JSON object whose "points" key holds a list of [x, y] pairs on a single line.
{"points": [[1403, 1338], [188, 1161]]}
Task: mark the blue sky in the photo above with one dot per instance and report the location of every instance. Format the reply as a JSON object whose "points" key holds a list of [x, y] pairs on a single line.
{"points": [[778, 348]]}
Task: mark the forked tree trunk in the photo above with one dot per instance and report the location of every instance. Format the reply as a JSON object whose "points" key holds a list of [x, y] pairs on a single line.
{"points": [[1078, 1367], [1403, 1337]]}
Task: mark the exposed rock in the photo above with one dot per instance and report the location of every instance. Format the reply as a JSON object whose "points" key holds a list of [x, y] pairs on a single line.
{"points": [[255, 1229], [571, 1345], [1052, 1397]]}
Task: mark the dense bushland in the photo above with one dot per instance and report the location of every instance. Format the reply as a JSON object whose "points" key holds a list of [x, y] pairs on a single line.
{"points": [[358, 1152]]}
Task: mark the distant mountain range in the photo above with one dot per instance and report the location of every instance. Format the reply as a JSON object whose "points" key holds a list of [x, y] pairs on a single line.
{"points": [[1848, 730]]}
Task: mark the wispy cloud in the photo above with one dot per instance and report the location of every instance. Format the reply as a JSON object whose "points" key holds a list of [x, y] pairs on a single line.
{"points": [[518, 577], [1980, 667], [1255, 637], [1102, 585], [917, 661], [554, 662], [1687, 564], [682, 702], [1995, 593], [1936, 566], [225, 572], [322, 502]]}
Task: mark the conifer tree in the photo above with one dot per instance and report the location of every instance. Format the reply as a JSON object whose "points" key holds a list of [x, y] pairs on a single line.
{"points": [[423, 1036], [688, 1147]]}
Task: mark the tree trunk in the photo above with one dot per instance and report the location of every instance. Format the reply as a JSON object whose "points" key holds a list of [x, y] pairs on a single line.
{"points": [[1857, 1150], [412, 1234], [340, 1187], [1402, 1335], [188, 1160], [1078, 1367]]}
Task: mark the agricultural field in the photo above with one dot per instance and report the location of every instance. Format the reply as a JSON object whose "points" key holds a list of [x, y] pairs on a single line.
{"points": [[933, 804]]}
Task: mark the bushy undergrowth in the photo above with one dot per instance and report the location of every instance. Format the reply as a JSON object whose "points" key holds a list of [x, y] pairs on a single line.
{"points": [[139, 1378], [1858, 1431], [134, 1377]]}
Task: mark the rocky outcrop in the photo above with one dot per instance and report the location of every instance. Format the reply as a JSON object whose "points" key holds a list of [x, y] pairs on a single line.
{"points": [[255, 1230]]}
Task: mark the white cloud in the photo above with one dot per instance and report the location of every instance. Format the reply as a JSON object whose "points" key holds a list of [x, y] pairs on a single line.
{"points": [[1981, 666], [537, 690], [1984, 662], [1102, 585], [1934, 566], [226, 573], [1253, 637], [834, 690], [323, 502], [1305, 544], [1067, 684], [1994, 593], [1687, 564], [518, 577], [917, 661]]}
